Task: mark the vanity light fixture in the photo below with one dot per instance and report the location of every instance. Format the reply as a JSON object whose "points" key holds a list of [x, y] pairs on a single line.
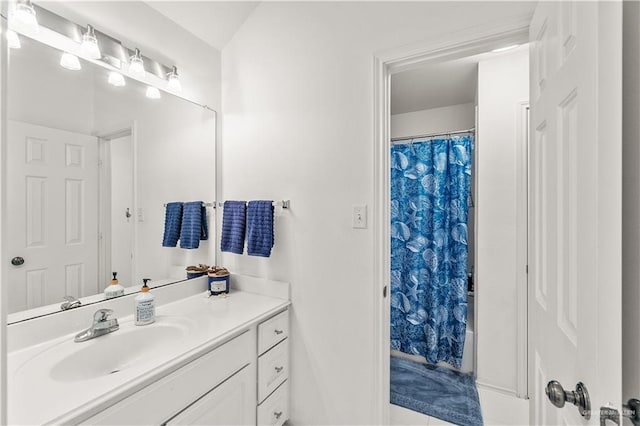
{"points": [[23, 17], [173, 81], [70, 62], [136, 64], [13, 40], [153, 92], [116, 79], [90, 44]]}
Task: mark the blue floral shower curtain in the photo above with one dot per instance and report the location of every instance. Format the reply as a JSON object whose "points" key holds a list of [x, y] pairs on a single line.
{"points": [[430, 184]]}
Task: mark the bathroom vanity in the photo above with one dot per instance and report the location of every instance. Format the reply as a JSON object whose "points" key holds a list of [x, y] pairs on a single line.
{"points": [[204, 361]]}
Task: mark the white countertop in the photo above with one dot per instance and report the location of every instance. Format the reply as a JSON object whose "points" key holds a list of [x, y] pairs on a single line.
{"points": [[35, 396]]}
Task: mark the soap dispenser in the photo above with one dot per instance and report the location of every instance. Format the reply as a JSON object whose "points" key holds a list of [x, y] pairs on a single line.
{"points": [[145, 305], [114, 289]]}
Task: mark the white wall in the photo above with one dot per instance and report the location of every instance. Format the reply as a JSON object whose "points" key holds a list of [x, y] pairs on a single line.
{"points": [[631, 203], [434, 120], [298, 124], [503, 83], [41, 92]]}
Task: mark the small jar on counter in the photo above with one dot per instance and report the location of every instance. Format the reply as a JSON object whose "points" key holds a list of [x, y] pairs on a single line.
{"points": [[218, 280], [194, 271]]}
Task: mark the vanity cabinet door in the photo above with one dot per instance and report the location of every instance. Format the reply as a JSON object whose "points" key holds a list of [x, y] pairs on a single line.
{"points": [[231, 403]]}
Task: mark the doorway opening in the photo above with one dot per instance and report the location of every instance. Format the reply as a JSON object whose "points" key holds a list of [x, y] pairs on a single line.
{"points": [[461, 94], [117, 210]]}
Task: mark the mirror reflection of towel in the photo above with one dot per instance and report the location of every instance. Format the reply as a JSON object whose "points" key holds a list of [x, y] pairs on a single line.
{"points": [[234, 216], [172, 224], [194, 225], [260, 236]]}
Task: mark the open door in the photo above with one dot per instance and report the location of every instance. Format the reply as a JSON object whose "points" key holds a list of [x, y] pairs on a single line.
{"points": [[575, 211]]}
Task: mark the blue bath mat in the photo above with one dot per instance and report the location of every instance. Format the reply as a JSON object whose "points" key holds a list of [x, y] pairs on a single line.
{"points": [[435, 391]]}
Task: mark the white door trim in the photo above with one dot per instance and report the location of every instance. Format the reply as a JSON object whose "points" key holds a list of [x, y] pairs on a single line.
{"points": [[522, 256], [464, 43], [4, 51]]}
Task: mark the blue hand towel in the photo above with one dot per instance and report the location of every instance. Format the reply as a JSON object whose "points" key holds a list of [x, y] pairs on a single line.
{"points": [[172, 224], [234, 216], [194, 225], [260, 228]]}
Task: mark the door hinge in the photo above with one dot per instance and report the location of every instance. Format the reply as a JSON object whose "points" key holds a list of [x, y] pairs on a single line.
{"points": [[526, 269], [384, 291]]}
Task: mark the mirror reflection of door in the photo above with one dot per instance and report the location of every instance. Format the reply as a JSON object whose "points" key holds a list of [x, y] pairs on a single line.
{"points": [[52, 188], [116, 208]]}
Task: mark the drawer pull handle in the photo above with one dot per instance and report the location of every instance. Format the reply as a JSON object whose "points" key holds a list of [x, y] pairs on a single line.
{"points": [[278, 331], [279, 369], [277, 414]]}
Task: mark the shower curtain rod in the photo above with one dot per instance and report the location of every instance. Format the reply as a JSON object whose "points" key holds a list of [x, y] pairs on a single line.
{"points": [[432, 135]]}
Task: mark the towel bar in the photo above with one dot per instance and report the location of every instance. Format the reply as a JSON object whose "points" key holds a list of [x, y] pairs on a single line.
{"points": [[285, 204], [205, 204]]}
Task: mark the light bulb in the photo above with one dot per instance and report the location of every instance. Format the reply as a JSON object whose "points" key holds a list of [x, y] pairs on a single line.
{"points": [[136, 65], [173, 81], [90, 44], [153, 92], [13, 40], [116, 79], [23, 17], [70, 62]]}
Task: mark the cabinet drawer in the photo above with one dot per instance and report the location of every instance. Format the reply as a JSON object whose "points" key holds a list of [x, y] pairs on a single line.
{"points": [[273, 369], [274, 411], [161, 400], [273, 331]]}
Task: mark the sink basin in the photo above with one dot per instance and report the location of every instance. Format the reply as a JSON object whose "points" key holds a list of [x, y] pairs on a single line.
{"points": [[127, 349], [114, 352]]}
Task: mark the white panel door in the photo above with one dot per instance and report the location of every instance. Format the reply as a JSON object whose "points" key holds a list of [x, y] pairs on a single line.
{"points": [[575, 244], [52, 190]]}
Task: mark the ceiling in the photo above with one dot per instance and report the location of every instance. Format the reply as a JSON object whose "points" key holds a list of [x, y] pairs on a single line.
{"points": [[433, 86], [214, 22], [438, 85]]}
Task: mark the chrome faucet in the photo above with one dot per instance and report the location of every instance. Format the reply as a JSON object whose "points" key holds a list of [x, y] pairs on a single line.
{"points": [[70, 302], [101, 325]]}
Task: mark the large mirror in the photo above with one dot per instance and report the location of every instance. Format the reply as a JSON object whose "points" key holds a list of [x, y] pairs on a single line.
{"points": [[91, 166]]}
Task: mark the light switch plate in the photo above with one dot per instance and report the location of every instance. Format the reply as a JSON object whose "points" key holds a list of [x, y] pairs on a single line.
{"points": [[359, 218]]}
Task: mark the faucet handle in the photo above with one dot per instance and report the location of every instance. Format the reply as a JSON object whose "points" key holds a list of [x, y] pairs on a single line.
{"points": [[69, 303], [101, 315]]}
